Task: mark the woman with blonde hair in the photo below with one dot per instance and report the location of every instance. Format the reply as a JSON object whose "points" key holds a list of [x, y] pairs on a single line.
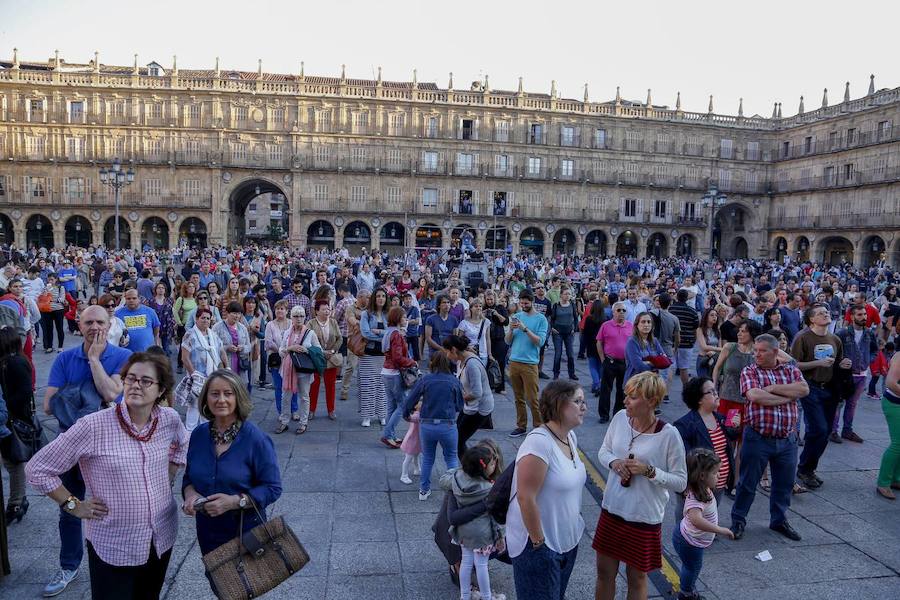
{"points": [[645, 457]]}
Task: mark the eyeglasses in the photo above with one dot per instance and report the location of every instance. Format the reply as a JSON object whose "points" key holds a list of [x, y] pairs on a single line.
{"points": [[621, 310], [144, 382], [712, 391], [110, 306], [579, 403]]}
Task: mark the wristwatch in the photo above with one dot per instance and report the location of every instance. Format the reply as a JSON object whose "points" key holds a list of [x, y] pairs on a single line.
{"points": [[70, 503], [243, 502], [650, 472]]}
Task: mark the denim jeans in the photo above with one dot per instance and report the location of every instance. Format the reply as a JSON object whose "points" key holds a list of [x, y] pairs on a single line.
{"points": [[691, 562], [394, 397], [71, 547], [543, 574], [596, 369], [849, 407], [818, 412], [757, 452], [279, 393], [560, 340], [430, 435]]}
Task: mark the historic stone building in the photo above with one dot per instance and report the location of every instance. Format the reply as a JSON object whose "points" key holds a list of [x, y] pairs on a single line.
{"points": [[387, 164]]}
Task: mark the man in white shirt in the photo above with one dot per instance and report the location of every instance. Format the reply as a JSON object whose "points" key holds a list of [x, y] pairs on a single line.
{"points": [[633, 307]]}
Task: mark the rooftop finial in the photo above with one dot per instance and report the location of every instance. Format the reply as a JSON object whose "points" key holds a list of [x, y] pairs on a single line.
{"points": [[710, 109], [174, 65], [217, 67], [741, 107], [415, 80], [618, 95], [56, 62], [379, 75], [135, 71], [302, 75], [259, 68], [775, 111], [678, 101], [779, 110], [96, 62], [586, 94], [825, 98], [15, 58], [553, 88], [801, 110], [521, 89], [450, 83], [343, 71], [487, 86], [871, 84], [847, 92], [649, 101]]}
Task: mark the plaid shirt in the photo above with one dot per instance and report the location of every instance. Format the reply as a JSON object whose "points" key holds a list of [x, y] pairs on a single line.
{"points": [[301, 300], [340, 313], [130, 477], [770, 421]]}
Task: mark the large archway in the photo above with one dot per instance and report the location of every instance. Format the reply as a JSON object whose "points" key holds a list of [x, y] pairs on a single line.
{"points": [[277, 212], [320, 234], [595, 243], [781, 248], [155, 234], [731, 223], [873, 250], [7, 232], [193, 233], [532, 240], [109, 233], [429, 236], [78, 232], [626, 245], [685, 245], [39, 232], [456, 234], [801, 248], [497, 238], [836, 250], [392, 236], [357, 236], [564, 242], [657, 246], [740, 249]]}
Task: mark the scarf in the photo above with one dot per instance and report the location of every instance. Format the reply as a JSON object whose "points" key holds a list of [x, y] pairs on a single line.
{"points": [[205, 343], [288, 375]]}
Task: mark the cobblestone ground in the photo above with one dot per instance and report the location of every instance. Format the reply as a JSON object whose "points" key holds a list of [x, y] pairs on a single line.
{"points": [[370, 537]]}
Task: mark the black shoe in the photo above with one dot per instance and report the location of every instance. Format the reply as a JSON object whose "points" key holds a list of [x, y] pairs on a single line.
{"points": [[809, 481], [16, 512], [785, 529], [517, 432], [542, 375], [737, 528], [603, 420], [573, 377], [657, 412], [834, 438], [666, 399], [817, 478]]}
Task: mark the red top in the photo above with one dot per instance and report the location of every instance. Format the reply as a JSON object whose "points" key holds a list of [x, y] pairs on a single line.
{"points": [[879, 366], [397, 357], [720, 445], [872, 316]]}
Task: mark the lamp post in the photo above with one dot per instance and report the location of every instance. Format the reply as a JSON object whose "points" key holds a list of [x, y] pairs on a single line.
{"points": [[115, 178], [713, 200]]}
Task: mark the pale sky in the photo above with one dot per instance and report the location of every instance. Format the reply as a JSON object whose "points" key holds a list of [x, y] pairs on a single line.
{"points": [[763, 51]]}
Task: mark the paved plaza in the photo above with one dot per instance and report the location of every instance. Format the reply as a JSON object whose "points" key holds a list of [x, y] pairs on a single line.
{"points": [[370, 537]]}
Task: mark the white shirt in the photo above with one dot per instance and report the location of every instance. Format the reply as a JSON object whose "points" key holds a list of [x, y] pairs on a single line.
{"points": [[633, 309], [559, 499], [471, 332]]}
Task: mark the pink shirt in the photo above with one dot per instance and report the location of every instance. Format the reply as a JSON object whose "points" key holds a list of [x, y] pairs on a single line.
{"points": [[130, 477], [614, 337]]}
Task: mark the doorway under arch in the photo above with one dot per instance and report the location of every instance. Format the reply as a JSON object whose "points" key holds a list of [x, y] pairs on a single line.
{"points": [[429, 235], [685, 245], [155, 234], [657, 246], [836, 250], [39, 232], [320, 234], [392, 235], [532, 240], [109, 233], [564, 242], [873, 250], [241, 197], [595, 243], [78, 232], [7, 231], [193, 233], [781, 248], [496, 238], [357, 236], [626, 245], [741, 249]]}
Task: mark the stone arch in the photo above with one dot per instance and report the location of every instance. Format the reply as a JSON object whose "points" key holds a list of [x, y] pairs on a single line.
{"points": [[801, 248], [244, 192], [740, 248], [686, 245], [532, 240], [155, 233], [595, 243], [429, 235], [780, 248], [657, 246], [7, 230], [109, 233], [320, 233], [78, 231], [38, 232], [392, 235], [193, 232], [497, 238], [357, 235], [564, 241], [872, 250], [627, 243], [835, 250]]}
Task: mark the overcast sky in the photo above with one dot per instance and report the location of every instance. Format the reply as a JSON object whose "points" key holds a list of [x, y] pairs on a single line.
{"points": [[763, 51]]}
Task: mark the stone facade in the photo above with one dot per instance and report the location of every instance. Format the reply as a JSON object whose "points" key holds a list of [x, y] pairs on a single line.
{"points": [[399, 164]]}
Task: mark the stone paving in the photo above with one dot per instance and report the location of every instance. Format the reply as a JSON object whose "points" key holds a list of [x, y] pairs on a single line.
{"points": [[370, 537]]}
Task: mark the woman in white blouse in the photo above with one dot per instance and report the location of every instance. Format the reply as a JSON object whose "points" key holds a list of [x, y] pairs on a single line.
{"points": [[544, 523], [645, 457], [478, 330]]}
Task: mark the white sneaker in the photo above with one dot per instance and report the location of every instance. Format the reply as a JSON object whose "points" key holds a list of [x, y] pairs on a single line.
{"points": [[498, 596], [60, 582], [383, 422], [367, 422], [405, 479], [424, 495]]}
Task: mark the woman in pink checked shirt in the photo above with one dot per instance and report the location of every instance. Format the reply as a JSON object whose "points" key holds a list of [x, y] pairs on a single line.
{"points": [[129, 455]]}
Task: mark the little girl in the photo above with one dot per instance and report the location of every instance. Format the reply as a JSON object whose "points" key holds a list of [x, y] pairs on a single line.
{"points": [[412, 449], [700, 524], [481, 536]]}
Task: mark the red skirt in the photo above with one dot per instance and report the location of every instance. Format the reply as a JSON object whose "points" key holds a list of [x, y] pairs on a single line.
{"points": [[638, 545]]}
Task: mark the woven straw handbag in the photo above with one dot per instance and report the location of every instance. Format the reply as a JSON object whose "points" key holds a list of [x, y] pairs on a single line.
{"points": [[257, 561]]}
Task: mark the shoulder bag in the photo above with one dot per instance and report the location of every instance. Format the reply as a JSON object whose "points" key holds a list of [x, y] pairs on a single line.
{"points": [[28, 435], [255, 562], [302, 361]]}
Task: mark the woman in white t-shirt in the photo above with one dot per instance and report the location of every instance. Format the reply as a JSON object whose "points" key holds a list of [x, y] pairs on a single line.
{"points": [[544, 523], [478, 330]]}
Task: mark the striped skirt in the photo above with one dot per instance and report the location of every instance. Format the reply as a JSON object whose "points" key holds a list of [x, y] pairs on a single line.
{"points": [[370, 388], [638, 545]]}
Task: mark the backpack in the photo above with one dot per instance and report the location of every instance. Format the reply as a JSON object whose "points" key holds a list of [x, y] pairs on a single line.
{"points": [[44, 301], [495, 374], [501, 494]]}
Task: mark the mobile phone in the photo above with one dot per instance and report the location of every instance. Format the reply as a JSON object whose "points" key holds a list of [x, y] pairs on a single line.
{"points": [[729, 417], [199, 502]]}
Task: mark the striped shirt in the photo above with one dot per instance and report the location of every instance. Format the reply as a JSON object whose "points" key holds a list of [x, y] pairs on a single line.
{"points": [[689, 322], [720, 445], [771, 421]]}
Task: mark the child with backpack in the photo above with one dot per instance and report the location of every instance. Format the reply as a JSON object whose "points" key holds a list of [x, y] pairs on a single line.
{"points": [[483, 535], [412, 450], [700, 524]]}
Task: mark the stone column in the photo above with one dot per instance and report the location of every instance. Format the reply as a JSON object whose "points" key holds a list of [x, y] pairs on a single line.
{"points": [[59, 235]]}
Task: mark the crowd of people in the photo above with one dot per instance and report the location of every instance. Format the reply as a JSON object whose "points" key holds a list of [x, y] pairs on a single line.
{"points": [[773, 359]]}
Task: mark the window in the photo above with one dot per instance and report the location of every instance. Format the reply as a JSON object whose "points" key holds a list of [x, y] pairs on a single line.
{"points": [[660, 207], [320, 191], [629, 170], [431, 127], [467, 129], [359, 193], [192, 149], [76, 112], [632, 140], [536, 134], [848, 172], [36, 109], [851, 136], [119, 145], [360, 122], [599, 138], [154, 110], [75, 148], [567, 136], [752, 150], [397, 124], [2, 185], [323, 120], [393, 194], [663, 142], [465, 163], [465, 202], [785, 149], [630, 206], [692, 174], [879, 167], [726, 148], [534, 165], [598, 203], [429, 197], [429, 161], [689, 210], [833, 141], [752, 182], [501, 131], [194, 112], [154, 148], [499, 208], [117, 109], [35, 187], [828, 175], [808, 145], [321, 154], [34, 146], [276, 152], [884, 130], [877, 206], [394, 158], [152, 187], [74, 188], [153, 71], [251, 223], [693, 146], [805, 178], [240, 113], [191, 187], [567, 167], [278, 116], [501, 164], [724, 179], [238, 151], [358, 155], [802, 211]]}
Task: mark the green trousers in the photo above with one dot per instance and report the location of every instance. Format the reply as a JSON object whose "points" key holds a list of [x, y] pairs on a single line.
{"points": [[890, 460]]}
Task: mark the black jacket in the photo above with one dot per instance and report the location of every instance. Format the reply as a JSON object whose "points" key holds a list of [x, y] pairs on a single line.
{"points": [[694, 434]]}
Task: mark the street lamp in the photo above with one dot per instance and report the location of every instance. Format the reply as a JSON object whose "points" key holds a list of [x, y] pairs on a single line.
{"points": [[115, 178], [713, 200]]}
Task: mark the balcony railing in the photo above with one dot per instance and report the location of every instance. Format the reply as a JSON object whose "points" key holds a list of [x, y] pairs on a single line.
{"points": [[127, 200], [836, 221]]}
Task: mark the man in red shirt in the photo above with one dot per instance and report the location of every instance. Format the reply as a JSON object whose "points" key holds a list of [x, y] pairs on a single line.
{"points": [[872, 316], [611, 340]]}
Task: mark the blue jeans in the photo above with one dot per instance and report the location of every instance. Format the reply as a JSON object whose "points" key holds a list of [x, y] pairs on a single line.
{"points": [[277, 381], [394, 396], [560, 340], [596, 369], [756, 452], [430, 434], [691, 562], [543, 574], [818, 412], [71, 547]]}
